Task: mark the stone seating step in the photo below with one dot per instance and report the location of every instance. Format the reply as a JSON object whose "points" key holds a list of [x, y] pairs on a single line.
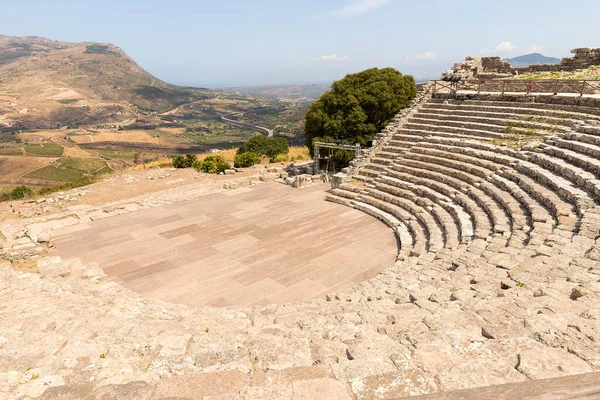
{"points": [[338, 199], [361, 178], [561, 111], [590, 112], [393, 215], [543, 118], [433, 228], [403, 136], [344, 193], [480, 221], [382, 159], [566, 189], [377, 166], [485, 220], [589, 129], [579, 137], [449, 131], [546, 194], [351, 188], [572, 142], [394, 148], [385, 154], [467, 184], [368, 172], [462, 217], [420, 134], [468, 160], [537, 211], [518, 216], [442, 217], [472, 165], [496, 124], [579, 177], [574, 157], [401, 145]]}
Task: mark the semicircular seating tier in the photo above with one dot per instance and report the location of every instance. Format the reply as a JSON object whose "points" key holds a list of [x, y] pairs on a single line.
{"points": [[482, 182]]}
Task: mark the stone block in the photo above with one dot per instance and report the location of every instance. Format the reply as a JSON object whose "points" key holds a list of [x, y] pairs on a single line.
{"points": [[338, 179]]}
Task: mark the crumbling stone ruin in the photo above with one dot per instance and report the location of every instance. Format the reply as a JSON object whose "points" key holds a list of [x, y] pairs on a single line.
{"points": [[483, 68], [583, 57]]}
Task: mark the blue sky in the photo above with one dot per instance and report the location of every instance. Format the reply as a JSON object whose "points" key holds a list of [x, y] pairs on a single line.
{"points": [[237, 42]]}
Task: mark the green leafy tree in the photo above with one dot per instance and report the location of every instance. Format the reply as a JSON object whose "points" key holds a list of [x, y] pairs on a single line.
{"points": [[358, 106], [264, 146], [256, 144], [212, 165], [276, 146], [245, 160]]}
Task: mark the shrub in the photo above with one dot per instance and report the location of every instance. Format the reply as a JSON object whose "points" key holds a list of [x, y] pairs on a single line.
{"points": [[21, 192], [186, 161], [358, 106], [263, 146], [5, 195], [212, 165], [246, 160], [275, 147]]}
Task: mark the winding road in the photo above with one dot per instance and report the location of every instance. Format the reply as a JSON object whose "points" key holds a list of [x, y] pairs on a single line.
{"points": [[265, 131]]}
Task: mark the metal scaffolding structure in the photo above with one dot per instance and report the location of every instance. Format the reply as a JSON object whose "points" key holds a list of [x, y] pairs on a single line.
{"points": [[335, 146]]}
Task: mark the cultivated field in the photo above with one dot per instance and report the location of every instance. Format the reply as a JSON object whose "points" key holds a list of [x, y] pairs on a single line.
{"points": [[13, 169]]}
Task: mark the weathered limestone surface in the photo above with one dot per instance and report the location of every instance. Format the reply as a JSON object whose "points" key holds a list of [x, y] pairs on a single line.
{"points": [[496, 282], [522, 177]]}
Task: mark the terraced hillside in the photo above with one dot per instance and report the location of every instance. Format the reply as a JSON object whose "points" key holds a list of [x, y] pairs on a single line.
{"points": [[495, 205], [48, 84]]}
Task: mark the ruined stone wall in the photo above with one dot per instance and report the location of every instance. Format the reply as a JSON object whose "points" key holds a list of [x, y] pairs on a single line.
{"points": [[495, 67], [483, 68], [582, 58]]}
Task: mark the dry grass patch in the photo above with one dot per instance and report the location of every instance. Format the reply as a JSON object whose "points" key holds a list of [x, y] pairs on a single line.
{"points": [[298, 153], [26, 266]]}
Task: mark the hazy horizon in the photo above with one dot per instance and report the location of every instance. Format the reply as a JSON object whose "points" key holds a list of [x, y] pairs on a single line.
{"points": [[235, 43]]}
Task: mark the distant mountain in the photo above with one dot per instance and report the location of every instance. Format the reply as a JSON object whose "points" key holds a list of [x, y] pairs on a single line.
{"points": [[46, 83], [531, 59]]}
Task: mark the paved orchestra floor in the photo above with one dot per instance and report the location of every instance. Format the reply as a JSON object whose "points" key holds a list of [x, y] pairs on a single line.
{"points": [[261, 245]]}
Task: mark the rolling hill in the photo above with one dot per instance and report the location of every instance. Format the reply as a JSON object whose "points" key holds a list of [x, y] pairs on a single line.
{"points": [[48, 84], [532, 59]]}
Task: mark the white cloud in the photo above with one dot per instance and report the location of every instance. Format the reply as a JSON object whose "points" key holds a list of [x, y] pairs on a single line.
{"points": [[502, 48], [536, 49], [428, 55], [506, 47], [331, 57], [357, 7]]}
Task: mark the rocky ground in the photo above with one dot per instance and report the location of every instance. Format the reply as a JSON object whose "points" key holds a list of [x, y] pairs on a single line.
{"points": [[442, 322]]}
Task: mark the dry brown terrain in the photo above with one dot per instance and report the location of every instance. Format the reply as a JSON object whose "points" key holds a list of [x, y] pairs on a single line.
{"points": [[48, 84], [12, 169]]}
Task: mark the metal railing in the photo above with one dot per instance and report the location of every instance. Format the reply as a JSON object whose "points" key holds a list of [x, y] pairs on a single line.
{"points": [[529, 86]]}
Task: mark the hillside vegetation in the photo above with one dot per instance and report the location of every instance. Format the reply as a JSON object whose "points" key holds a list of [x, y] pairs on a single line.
{"points": [[591, 73], [46, 84], [91, 101]]}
